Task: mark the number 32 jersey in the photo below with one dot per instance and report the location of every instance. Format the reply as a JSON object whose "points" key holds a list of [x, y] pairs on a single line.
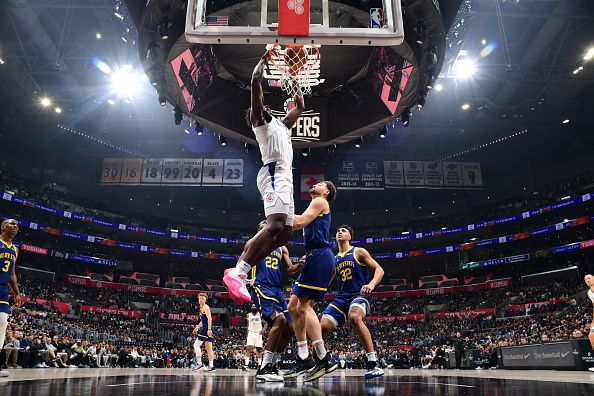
{"points": [[351, 275], [268, 271]]}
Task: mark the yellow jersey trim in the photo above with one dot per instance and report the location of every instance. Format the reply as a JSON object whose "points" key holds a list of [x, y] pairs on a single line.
{"points": [[4, 302], [7, 245], [259, 292], [311, 287], [356, 259], [339, 310]]}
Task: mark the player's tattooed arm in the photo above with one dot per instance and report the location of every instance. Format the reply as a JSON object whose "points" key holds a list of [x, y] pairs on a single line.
{"points": [[363, 256]]}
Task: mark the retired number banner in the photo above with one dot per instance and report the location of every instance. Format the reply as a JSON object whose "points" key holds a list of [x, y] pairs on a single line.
{"points": [[172, 172]]}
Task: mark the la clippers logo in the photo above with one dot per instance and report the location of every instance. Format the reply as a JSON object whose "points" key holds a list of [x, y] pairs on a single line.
{"points": [[269, 197], [307, 127], [296, 5]]}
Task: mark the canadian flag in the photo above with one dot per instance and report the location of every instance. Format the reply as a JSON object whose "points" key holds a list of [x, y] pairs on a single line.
{"points": [[309, 177]]}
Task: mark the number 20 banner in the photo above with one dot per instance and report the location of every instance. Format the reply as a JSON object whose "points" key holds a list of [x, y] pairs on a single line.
{"points": [[172, 171]]}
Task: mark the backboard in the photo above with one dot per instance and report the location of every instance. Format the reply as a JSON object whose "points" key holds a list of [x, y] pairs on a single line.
{"points": [[319, 22]]}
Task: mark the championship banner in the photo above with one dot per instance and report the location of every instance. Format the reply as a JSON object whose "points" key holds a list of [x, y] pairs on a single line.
{"points": [[348, 176], [372, 176], [172, 172], [309, 177], [413, 174], [452, 175], [433, 174], [394, 174], [471, 173]]}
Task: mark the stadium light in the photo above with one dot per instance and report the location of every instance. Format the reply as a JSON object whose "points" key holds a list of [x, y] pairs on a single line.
{"points": [[358, 142], [589, 54], [98, 35], [464, 68], [46, 102], [125, 82], [465, 106], [111, 101], [565, 121], [305, 151], [383, 132], [439, 87], [58, 110], [177, 115], [223, 140]]}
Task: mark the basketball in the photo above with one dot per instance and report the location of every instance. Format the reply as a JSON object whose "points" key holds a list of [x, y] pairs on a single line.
{"points": [[295, 58]]}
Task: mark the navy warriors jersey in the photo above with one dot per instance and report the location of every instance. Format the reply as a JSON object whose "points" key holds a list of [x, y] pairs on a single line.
{"points": [[8, 257], [351, 275], [204, 321], [268, 271], [317, 234]]}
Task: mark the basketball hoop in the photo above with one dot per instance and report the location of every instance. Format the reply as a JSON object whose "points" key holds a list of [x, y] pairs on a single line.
{"points": [[294, 62]]}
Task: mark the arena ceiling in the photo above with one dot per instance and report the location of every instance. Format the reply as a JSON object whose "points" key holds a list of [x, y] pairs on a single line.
{"points": [[524, 79]]}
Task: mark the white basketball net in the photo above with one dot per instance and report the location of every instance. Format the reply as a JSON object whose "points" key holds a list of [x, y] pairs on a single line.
{"points": [[292, 79]]}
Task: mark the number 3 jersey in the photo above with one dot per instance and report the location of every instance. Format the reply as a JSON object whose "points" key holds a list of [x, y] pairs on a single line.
{"points": [[351, 275], [8, 257], [268, 271]]}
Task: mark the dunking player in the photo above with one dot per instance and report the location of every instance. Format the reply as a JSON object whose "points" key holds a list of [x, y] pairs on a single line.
{"points": [[267, 295], [275, 183], [256, 327], [8, 258], [204, 334], [354, 290], [312, 283], [590, 282]]}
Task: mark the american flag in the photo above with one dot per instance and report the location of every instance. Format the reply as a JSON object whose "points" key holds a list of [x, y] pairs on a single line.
{"points": [[217, 21]]}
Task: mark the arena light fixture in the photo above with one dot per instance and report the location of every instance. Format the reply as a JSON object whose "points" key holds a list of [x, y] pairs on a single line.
{"points": [[405, 232], [199, 129], [248, 148], [164, 28], [223, 140], [177, 115], [186, 131], [305, 151], [439, 87], [125, 82], [464, 68], [383, 132], [566, 121], [1, 61], [358, 142], [98, 35], [465, 106], [46, 102], [483, 42], [405, 117], [589, 54], [331, 149], [162, 99], [111, 101], [58, 110]]}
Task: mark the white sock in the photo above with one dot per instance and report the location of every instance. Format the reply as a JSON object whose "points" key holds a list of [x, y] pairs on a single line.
{"points": [[371, 357], [276, 357], [242, 267], [302, 350], [246, 361], [268, 358], [3, 326], [320, 348], [211, 363]]}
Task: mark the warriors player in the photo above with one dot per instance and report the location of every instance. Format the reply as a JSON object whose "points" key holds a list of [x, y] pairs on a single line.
{"points": [[204, 334], [275, 183], [8, 257], [590, 282], [256, 327], [354, 290], [268, 297], [312, 283]]}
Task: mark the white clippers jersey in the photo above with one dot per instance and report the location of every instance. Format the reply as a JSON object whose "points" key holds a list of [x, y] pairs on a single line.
{"points": [[274, 140], [254, 323], [591, 295]]}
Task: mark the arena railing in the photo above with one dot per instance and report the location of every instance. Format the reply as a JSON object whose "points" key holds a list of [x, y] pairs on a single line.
{"points": [[502, 239], [415, 235]]}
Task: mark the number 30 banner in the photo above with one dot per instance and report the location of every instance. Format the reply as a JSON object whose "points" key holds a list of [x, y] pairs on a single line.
{"points": [[172, 172]]}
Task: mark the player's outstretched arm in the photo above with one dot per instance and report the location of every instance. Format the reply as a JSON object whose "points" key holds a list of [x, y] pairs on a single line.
{"points": [[294, 114], [316, 207], [15, 286], [291, 268], [378, 272], [257, 101]]}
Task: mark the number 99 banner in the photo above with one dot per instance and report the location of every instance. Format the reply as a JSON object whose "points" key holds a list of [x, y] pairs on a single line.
{"points": [[172, 171]]}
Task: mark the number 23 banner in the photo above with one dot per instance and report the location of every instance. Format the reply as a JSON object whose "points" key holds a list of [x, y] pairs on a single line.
{"points": [[172, 171]]}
